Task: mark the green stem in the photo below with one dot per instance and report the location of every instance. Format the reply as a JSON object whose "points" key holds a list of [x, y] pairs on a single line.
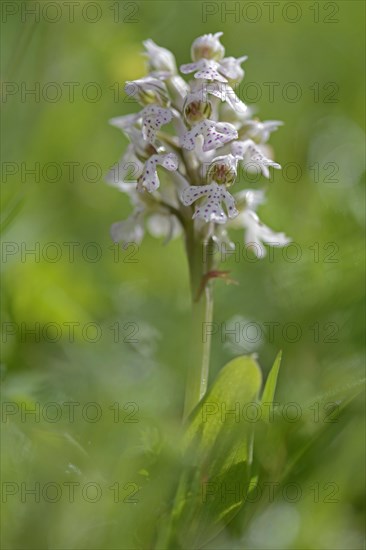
{"points": [[202, 314]]}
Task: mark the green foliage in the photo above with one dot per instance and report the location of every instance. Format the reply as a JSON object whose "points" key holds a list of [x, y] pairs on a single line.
{"points": [[270, 387], [217, 453]]}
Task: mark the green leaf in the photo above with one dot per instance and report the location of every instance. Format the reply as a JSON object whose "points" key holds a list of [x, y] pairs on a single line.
{"points": [[11, 211], [217, 455], [282, 445], [270, 388]]}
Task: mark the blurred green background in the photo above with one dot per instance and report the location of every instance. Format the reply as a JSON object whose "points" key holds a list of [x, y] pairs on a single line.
{"points": [[130, 309]]}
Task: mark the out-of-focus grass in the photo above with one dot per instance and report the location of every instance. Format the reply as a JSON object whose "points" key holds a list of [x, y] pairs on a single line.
{"points": [[321, 293]]}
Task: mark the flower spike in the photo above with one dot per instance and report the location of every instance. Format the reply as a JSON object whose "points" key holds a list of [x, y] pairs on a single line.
{"points": [[213, 132]]}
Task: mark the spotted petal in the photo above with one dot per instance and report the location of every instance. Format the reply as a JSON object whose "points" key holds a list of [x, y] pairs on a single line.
{"points": [[215, 134], [149, 178], [229, 203], [252, 151], [226, 93], [154, 118], [211, 209], [189, 67], [194, 192], [204, 69]]}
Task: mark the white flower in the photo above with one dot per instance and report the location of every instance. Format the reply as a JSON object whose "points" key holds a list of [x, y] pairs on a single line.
{"points": [[250, 153], [129, 167], [215, 134], [256, 233], [159, 219], [261, 131], [208, 46], [149, 179], [137, 151], [125, 122], [163, 225], [225, 92], [211, 209], [251, 198], [152, 117], [130, 230], [145, 174], [221, 237], [159, 59], [230, 67], [220, 71], [235, 117], [204, 69], [147, 90], [221, 90]]}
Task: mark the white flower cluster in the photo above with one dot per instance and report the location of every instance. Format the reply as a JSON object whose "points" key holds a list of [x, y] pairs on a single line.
{"points": [[184, 128]]}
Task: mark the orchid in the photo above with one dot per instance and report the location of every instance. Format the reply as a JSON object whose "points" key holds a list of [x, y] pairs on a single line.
{"points": [[250, 153], [208, 46], [152, 118], [204, 69], [211, 209], [186, 146], [256, 233], [149, 178], [159, 59], [231, 68], [227, 94], [147, 90], [261, 131], [209, 62], [158, 219], [214, 134]]}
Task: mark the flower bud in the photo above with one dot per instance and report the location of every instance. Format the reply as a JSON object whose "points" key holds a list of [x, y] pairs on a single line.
{"points": [[147, 90], [223, 170], [159, 59], [195, 109], [208, 46]]}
